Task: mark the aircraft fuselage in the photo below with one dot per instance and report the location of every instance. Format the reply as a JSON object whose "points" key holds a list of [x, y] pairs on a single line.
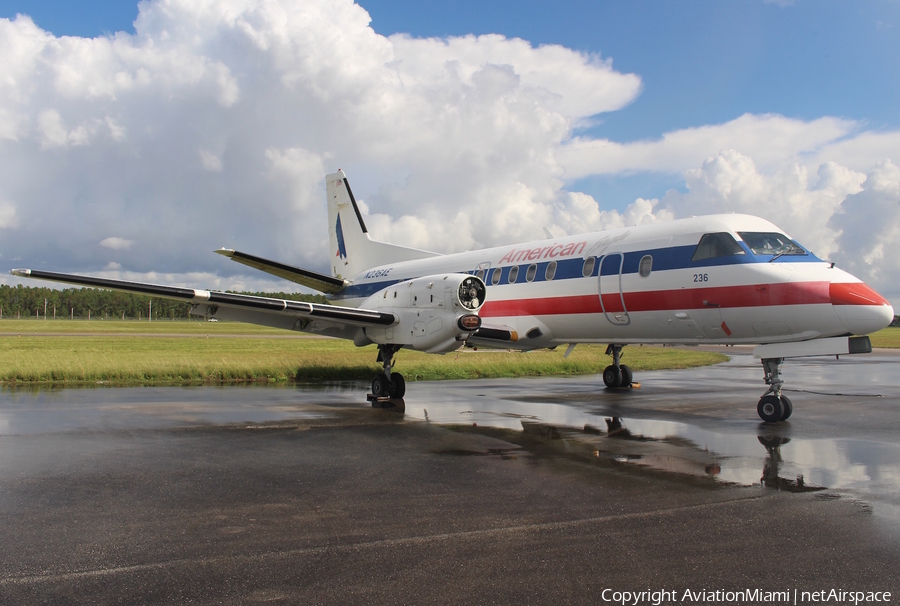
{"points": [[652, 284]]}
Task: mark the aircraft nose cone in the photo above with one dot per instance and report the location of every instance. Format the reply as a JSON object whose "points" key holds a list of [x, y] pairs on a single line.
{"points": [[860, 309]]}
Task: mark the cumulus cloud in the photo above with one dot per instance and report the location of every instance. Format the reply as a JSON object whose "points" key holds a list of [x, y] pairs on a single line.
{"points": [[577, 212], [769, 139], [842, 215], [214, 123], [791, 197], [868, 227]]}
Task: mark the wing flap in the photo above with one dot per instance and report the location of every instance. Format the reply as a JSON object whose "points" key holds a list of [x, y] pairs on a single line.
{"points": [[304, 277]]}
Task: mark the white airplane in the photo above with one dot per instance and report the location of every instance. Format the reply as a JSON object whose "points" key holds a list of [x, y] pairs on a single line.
{"points": [[719, 279]]}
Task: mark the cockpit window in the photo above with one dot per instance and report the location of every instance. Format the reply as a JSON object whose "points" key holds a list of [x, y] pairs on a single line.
{"points": [[770, 243], [717, 245]]}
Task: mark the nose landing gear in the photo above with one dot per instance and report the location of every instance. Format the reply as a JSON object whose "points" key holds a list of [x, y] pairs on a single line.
{"points": [[773, 406]]}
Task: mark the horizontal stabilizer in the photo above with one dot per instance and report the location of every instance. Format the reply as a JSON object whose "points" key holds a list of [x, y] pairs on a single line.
{"points": [[304, 277]]}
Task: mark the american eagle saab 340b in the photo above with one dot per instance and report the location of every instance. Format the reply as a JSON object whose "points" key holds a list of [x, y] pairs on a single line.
{"points": [[720, 279]]}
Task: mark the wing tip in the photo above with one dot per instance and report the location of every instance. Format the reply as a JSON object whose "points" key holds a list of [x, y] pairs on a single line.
{"points": [[225, 252], [22, 273]]}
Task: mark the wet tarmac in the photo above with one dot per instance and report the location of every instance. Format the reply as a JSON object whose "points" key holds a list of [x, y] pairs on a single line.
{"points": [[493, 491]]}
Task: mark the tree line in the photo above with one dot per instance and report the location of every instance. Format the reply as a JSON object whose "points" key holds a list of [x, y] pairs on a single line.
{"points": [[82, 303]]}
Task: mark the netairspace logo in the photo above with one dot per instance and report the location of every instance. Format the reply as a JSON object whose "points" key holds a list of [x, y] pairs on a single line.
{"points": [[743, 596]]}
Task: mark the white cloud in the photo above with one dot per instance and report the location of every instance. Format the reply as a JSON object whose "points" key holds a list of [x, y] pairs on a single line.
{"points": [[578, 212], [868, 226], [7, 215], [563, 80], [791, 198], [116, 243], [210, 161], [214, 124], [770, 139], [850, 217]]}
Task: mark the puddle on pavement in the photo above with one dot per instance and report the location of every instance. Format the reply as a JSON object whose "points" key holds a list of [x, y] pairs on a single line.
{"points": [[39, 411], [766, 456]]}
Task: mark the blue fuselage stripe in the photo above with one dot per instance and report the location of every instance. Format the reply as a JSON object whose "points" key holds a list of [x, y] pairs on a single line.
{"points": [[664, 259]]}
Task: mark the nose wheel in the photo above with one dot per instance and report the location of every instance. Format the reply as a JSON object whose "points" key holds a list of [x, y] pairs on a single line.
{"points": [[773, 406]]}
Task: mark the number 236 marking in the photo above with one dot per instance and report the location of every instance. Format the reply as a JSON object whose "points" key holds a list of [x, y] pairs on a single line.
{"points": [[701, 277]]}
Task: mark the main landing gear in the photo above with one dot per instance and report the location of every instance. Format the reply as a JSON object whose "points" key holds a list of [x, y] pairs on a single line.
{"points": [[388, 384], [617, 375], [773, 405]]}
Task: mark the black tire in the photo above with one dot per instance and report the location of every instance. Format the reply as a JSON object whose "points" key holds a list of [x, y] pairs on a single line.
{"points": [[627, 375], [770, 409], [788, 407], [612, 377], [380, 386], [398, 385]]}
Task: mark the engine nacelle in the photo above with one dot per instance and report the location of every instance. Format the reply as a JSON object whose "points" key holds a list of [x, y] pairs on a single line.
{"points": [[436, 313]]}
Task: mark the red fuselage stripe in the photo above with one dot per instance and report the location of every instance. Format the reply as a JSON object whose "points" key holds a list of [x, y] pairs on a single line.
{"points": [[758, 295]]}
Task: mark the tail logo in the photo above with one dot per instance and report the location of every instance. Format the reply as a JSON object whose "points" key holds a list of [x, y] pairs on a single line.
{"points": [[342, 249]]}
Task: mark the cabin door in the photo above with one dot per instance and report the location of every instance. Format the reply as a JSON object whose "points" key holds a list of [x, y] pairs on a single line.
{"points": [[612, 301]]}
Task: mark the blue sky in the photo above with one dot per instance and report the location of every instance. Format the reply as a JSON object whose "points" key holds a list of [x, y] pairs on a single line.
{"points": [[452, 138]]}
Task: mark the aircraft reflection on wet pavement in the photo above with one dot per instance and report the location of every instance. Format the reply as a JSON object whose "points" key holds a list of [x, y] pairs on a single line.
{"points": [[860, 460], [669, 454], [770, 477], [794, 465]]}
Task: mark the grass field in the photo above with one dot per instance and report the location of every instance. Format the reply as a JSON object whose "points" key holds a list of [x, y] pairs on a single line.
{"points": [[889, 338], [73, 352]]}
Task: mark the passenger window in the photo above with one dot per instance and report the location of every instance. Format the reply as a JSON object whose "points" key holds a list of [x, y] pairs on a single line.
{"points": [[513, 274], [646, 266], [530, 273], [551, 271], [588, 267], [712, 246], [495, 277]]}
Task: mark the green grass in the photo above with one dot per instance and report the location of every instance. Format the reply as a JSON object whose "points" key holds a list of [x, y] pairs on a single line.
{"points": [[132, 327], [119, 353], [888, 337]]}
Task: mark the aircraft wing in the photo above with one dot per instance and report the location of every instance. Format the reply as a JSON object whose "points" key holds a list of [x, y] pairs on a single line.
{"points": [[329, 320], [310, 279]]}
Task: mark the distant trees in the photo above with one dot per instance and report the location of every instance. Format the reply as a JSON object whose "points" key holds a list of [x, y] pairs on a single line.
{"points": [[29, 301]]}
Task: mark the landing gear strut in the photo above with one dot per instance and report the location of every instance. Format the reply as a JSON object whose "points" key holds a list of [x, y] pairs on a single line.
{"points": [[617, 375], [388, 384], [773, 406]]}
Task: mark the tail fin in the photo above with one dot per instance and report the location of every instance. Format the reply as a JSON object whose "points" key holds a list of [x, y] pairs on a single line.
{"points": [[353, 251]]}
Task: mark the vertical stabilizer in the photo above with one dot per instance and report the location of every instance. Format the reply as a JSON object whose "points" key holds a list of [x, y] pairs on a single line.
{"points": [[352, 250]]}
